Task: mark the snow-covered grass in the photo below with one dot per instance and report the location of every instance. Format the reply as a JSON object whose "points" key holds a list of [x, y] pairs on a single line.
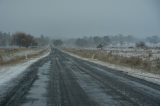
{"points": [[139, 73], [148, 60], [150, 53], [14, 55]]}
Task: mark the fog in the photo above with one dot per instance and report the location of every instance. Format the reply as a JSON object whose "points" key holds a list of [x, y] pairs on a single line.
{"points": [[76, 18]]}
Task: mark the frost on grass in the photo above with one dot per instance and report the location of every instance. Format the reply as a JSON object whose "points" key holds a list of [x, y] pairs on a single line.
{"points": [[14, 55]]}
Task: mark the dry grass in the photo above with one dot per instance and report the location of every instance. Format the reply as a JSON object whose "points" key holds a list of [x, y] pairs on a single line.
{"points": [[19, 59], [133, 61]]}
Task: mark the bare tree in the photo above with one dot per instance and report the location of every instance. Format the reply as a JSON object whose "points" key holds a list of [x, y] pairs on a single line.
{"points": [[97, 40], [153, 39], [100, 46], [141, 45], [23, 40], [106, 40], [81, 42]]}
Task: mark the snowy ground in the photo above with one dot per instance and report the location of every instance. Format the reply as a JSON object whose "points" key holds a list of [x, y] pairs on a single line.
{"points": [[151, 53], [7, 55], [7, 73], [146, 54], [35, 96], [155, 78]]}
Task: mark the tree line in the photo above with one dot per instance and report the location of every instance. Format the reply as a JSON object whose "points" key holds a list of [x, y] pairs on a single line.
{"points": [[121, 40], [21, 39]]}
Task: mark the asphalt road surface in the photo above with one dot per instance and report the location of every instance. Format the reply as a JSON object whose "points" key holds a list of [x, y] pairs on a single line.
{"points": [[63, 80]]}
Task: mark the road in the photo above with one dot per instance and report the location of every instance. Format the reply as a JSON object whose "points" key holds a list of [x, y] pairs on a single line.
{"points": [[63, 80]]}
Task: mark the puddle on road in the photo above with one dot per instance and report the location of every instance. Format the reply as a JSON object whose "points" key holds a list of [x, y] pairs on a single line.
{"points": [[37, 95]]}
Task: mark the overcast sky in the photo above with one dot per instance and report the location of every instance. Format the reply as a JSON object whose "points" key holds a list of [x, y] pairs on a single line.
{"points": [[74, 18]]}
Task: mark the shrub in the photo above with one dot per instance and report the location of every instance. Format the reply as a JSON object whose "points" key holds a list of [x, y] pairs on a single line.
{"points": [[158, 63], [141, 45]]}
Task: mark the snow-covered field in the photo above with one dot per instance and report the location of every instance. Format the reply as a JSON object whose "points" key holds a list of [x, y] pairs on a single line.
{"points": [[151, 53]]}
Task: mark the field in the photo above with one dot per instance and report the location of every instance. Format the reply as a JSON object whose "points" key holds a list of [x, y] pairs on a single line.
{"points": [[144, 59], [15, 55]]}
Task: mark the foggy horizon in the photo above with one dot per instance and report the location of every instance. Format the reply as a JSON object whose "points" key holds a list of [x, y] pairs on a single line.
{"points": [[73, 19]]}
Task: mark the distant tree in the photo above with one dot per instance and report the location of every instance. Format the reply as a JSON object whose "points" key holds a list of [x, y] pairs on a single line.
{"points": [[81, 42], [106, 40], [118, 39], [141, 45], [153, 39], [5, 39], [97, 40], [130, 39], [57, 42], [121, 39], [42, 40], [100, 46], [30, 41], [23, 40]]}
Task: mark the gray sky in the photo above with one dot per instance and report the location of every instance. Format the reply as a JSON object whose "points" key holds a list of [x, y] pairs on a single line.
{"points": [[73, 18]]}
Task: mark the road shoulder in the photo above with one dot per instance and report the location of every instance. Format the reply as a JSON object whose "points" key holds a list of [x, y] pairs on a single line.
{"points": [[154, 78]]}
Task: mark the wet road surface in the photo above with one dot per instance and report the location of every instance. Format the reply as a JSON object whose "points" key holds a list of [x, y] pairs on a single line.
{"points": [[63, 80]]}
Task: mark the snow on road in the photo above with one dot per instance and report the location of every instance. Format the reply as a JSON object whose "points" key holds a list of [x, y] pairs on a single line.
{"points": [[7, 73], [35, 96]]}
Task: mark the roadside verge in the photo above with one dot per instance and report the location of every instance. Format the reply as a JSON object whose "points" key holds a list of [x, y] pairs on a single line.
{"points": [[151, 77], [16, 79]]}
